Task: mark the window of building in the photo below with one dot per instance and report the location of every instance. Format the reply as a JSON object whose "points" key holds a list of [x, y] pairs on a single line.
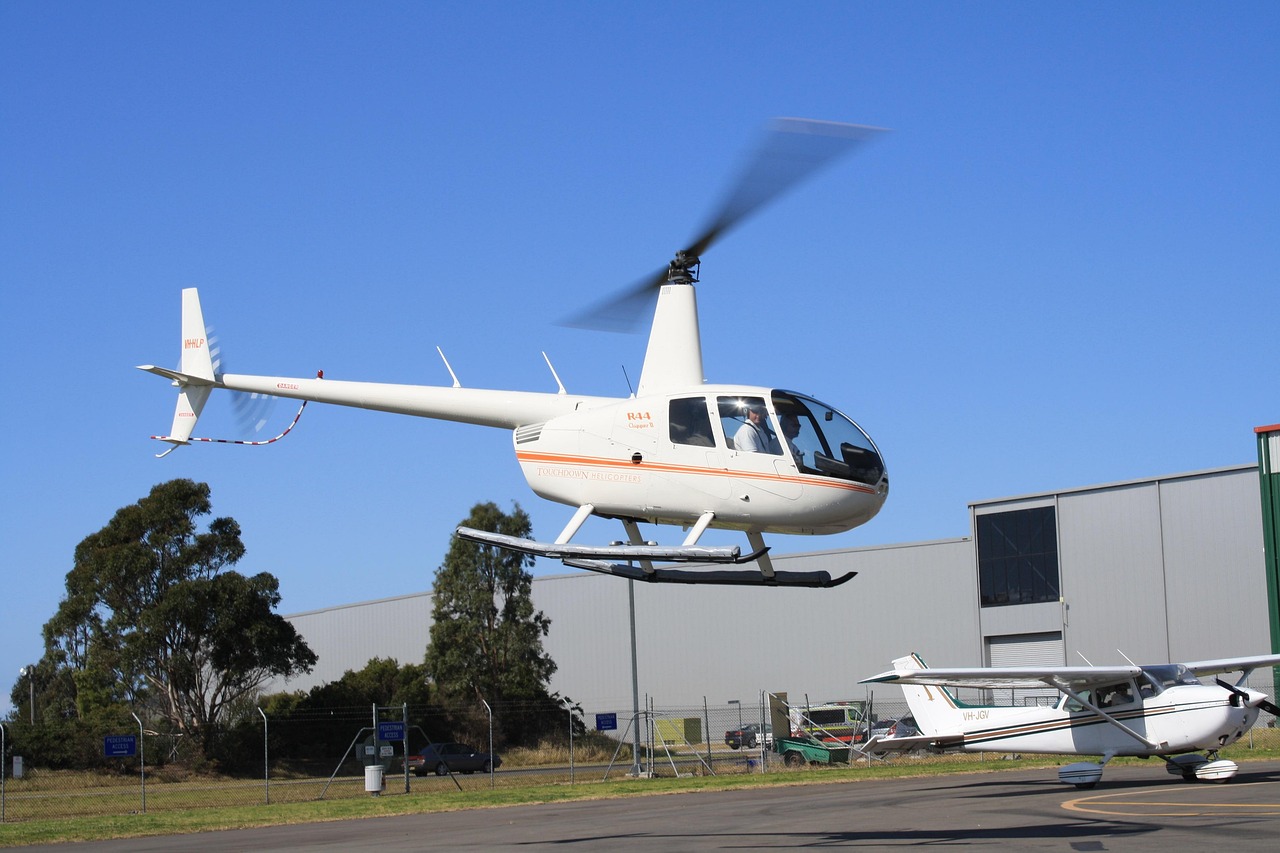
{"points": [[1018, 557]]}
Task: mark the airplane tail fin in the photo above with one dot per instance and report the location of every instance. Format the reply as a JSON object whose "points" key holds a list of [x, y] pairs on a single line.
{"points": [[195, 377], [934, 708]]}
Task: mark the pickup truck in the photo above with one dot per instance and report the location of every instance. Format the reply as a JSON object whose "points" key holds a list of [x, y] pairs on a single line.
{"points": [[749, 736]]}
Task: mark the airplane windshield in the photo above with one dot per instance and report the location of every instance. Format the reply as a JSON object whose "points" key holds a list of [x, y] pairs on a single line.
{"points": [[823, 441], [1168, 675]]}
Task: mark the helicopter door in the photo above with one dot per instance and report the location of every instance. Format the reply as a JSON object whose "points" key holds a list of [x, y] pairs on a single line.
{"points": [[698, 460], [757, 452]]}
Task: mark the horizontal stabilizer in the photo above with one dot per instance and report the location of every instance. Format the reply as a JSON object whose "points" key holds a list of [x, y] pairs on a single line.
{"points": [[180, 378], [724, 577]]}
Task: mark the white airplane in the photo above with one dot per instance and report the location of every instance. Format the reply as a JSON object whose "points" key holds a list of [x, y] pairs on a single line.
{"points": [[1163, 711], [679, 451]]}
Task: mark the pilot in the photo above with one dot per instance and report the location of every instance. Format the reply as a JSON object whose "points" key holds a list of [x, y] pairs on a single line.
{"points": [[754, 435], [790, 429]]}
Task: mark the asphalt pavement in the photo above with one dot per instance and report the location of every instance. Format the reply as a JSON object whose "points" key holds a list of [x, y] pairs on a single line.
{"points": [[1134, 808]]}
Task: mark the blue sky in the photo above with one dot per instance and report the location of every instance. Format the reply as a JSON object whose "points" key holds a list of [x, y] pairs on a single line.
{"points": [[1059, 269]]}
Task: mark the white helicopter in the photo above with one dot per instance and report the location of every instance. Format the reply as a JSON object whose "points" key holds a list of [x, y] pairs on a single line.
{"points": [[678, 452], [1163, 711]]}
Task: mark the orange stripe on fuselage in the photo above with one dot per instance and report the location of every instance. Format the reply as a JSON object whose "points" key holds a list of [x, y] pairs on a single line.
{"points": [[694, 470]]}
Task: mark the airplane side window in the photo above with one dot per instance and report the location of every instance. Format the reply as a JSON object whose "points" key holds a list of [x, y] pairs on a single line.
{"points": [[1115, 694], [690, 423]]}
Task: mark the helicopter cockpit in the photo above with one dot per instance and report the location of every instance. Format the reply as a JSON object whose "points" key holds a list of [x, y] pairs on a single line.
{"points": [[819, 439]]}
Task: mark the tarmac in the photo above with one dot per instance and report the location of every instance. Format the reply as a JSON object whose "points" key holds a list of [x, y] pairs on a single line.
{"points": [[1134, 808]]}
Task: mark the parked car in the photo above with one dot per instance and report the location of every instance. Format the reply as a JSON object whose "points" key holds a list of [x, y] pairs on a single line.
{"points": [[904, 726], [443, 758], [749, 736]]}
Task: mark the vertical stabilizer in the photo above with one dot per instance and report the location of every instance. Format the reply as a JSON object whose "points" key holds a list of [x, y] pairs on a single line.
{"points": [[194, 377], [932, 706], [673, 360], [196, 360]]}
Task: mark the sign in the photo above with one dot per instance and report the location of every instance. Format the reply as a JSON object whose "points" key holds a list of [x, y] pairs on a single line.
{"points": [[391, 731], [119, 746], [386, 751], [606, 722]]}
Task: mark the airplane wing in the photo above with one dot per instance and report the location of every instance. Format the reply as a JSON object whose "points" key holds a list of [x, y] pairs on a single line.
{"points": [[1073, 677], [1212, 667]]}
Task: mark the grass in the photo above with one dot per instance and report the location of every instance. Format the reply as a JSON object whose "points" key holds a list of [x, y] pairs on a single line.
{"points": [[183, 815]]}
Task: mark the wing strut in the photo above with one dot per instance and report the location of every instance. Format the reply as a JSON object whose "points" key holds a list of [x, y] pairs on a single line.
{"points": [[1062, 687]]}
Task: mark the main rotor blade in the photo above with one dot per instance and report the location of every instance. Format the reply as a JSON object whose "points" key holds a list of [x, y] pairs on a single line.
{"points": [[622, 311], [792, 150]]}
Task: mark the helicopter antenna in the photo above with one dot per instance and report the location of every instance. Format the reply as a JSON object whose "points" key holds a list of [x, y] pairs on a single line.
{"points": [[553, 373], [456, 383], [630, 390]]}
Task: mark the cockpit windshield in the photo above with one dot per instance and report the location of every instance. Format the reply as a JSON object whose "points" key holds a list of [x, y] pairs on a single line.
{"points": [[823, 441], [1168, 675]]}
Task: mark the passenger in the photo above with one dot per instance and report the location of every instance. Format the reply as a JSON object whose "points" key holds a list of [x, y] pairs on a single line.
{"points": [[754, 435]]}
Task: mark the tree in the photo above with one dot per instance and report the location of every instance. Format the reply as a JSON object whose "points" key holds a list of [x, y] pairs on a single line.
{"points": [[154, 616], [486, 639]]}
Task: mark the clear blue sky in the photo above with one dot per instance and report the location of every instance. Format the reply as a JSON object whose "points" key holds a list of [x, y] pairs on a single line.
{"points": [[1059, 269]]}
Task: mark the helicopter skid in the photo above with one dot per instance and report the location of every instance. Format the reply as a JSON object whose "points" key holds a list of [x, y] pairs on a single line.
{"points": [[598, 558], [566, 551], [726, 577]]}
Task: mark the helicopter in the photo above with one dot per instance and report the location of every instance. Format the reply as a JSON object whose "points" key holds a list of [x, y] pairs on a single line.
{"points": [[678, 451]]}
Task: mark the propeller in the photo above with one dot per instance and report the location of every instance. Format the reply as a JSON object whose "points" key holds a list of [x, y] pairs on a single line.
{"points": [[1258, 700], [252, 410], [791, 151]]}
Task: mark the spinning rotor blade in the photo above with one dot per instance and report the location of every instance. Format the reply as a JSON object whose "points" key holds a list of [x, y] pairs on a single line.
{"points": [[792, 151]]}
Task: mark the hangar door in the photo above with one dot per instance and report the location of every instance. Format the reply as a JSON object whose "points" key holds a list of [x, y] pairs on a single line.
{"points": [[1044, 649]]}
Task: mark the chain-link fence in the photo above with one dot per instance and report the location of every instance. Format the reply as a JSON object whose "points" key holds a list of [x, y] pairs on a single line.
{"points": [[343, 752]]}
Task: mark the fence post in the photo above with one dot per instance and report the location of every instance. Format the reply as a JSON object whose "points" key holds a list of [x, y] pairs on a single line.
{"points": [[142, 760], [571, 780], [490, 710], [266, 763], [4, 758], [706, 728]]}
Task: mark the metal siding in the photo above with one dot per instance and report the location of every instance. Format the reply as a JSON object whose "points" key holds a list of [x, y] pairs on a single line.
{"points": [[1214, 565], [346, 638], [1142, 566], [1113, 574]]}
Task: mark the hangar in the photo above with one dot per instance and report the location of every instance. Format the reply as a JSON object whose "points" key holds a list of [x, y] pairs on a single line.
{"points": [[1161, 569]]}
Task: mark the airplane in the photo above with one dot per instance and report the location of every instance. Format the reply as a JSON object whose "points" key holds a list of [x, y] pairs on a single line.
{"points": [[678, 451], [1163, 711]]}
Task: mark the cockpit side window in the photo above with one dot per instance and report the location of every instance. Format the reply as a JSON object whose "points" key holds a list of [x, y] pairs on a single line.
{"points": [[1114, 694], [690, 423], [747, 425]]}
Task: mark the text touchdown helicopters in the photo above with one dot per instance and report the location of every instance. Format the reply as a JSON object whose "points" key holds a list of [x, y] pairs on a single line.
{"points": [[678, 452], [1163, 711]]}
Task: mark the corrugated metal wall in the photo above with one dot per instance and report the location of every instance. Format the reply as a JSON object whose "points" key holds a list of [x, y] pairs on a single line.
{"points": [[1165, 569]]}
